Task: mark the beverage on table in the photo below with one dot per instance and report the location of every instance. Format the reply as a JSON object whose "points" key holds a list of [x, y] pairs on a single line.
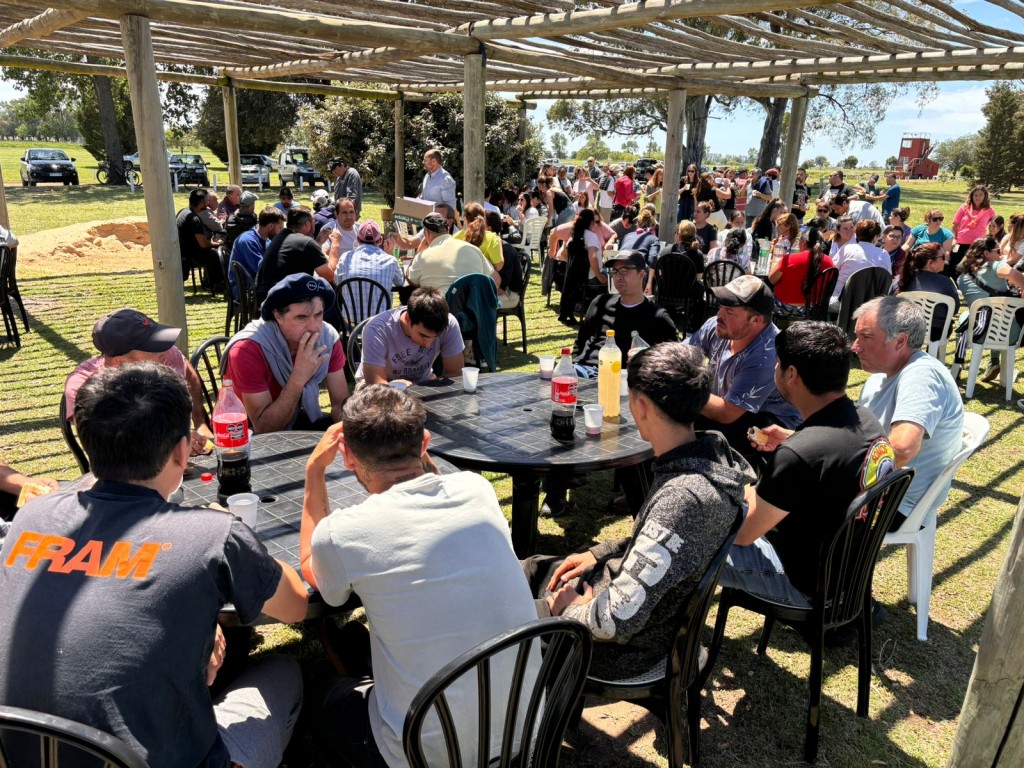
{"points": [[609, 366], [564, 383], [231, 441]]}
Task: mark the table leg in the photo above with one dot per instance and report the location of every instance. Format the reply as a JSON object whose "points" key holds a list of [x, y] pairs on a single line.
{"points": [[636, 484], [525, 509]]}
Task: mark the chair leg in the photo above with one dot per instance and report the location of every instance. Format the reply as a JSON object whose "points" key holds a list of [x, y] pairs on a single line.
{"points": [[724, 604], [21, 306], [864, 630], [1006, 369], [925, 564], [766, 633], [814, 700], [693, 725], [977, 352], [504, 330], [522, 327], [912, 586]]}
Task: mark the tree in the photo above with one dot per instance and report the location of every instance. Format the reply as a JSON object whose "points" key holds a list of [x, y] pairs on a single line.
{"points": [[19, 118], [850, 161], [892, 161], [630, 147], [997, 157], [820, 161], [595, 146], [559, 148], [264, 118], [953, 153], [652, 147]]}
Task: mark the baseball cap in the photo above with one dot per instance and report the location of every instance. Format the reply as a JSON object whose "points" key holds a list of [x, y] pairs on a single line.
{"points": [[369, 232], [248, 200], [746, 291], [633, 258], [435, 222], [334, 163], [320, 194], [296, 288], [122, 331]]}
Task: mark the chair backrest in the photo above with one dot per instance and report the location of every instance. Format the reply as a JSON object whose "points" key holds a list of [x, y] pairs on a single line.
{"points": [[550, 697], [354, 348], [674, 276], [360, 298], [248, 307], [30, 738], [527, 264], [816, 306], [224, 256], [999, 331], [975, 432], [847, 562], [532, 231], [6, 269], [67, 429], [929, 301], [719, 273], [207, 360], [863, 285]]}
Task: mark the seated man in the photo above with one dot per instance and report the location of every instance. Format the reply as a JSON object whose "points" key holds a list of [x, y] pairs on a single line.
{"points": [[695, 496], [368, 260], [911, 393], [276, 364], [196, 248], [251, 246], [128, 587], [445, 259], [128, 336], [447, 548], [838, 451], [294, 251], [403, 343], [242, 220], [739, 344], [231, 202]]}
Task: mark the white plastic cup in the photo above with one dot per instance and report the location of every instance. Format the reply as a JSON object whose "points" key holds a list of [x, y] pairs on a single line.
{"points": [[244, 505], [547, 366], [593, 417], [469, 378], [623, 385]]}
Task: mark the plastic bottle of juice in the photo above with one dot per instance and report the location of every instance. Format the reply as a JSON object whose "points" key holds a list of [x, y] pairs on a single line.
{"points": [[609, 365]]}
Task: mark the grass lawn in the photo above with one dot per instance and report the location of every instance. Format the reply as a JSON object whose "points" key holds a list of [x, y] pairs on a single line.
{"points": [[754, 711]]}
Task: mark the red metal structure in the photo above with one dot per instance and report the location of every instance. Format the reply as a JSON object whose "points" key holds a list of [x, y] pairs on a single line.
{"points": [[913, 157]]}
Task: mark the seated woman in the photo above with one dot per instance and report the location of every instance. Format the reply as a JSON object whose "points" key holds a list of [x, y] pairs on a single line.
{"points": [[922, 271], [763, 227], [983, 274], [1011, 244], [787, 235], [898, 218], [583, 269], [733, 250], [794, 274], [892, 244], [687, 244], [644, 238]]}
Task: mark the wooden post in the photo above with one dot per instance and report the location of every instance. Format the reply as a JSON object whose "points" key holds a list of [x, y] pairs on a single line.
{"points": [[791, 152], [4, 218], [523, 170], [231, 134], [473, 158], [673, 166], [149, 131], [399, 149], [991, 731]]}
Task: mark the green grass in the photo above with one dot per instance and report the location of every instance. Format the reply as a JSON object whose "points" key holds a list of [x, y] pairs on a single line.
{"points": [[754, 711]]}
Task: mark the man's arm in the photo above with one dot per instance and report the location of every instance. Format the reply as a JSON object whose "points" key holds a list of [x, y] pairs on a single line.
{"points": [[269, 415], [761, 518], [290, 601], [452, 366], [315, 505], [721, 410], [12, 481], [203, 241], [337, 390], [906, 438]]}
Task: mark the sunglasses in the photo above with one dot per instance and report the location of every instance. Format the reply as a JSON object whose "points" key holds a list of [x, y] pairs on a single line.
{"points": [[824, 210], [938, 218]]}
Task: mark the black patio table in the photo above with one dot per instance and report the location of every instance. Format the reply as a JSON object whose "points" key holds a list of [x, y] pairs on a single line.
{"points": [[505, 427]]}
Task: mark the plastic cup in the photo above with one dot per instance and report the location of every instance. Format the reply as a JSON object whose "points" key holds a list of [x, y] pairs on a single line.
{"points": [[547, 366], [244, 505], [469, 379], [623, 386], [593, 417]]}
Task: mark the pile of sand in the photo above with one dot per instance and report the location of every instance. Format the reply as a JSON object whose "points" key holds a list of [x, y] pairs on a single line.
{"points": [[94, 246]]}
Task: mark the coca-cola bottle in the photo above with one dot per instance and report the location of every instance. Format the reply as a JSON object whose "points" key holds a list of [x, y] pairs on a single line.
{"points": [[231, 441], [564, 383]]}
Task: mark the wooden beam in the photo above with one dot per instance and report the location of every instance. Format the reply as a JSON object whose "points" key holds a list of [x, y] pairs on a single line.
{"points": [[1011, 71], [702, 88], [673, 166], [791, 152], [315, 88], [149, 131], [5, 220], [473, 157], [231, 134], [310, 66], [42, 25], [523, 122], [399, 148]]}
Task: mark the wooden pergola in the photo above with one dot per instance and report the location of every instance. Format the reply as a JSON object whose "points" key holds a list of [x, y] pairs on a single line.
{"points": [[546, 49]]}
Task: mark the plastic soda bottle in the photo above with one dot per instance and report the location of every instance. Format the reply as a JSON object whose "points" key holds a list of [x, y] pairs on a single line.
{"points": [[564, 383], [231, 442], [638, 342], [609, 366]]}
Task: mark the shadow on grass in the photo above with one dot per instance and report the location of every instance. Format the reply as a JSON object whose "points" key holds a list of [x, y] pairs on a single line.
{"points": [[58, 341]]}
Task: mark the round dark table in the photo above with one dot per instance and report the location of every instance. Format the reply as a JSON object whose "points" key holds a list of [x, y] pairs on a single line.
{"points": [[505, 427]]}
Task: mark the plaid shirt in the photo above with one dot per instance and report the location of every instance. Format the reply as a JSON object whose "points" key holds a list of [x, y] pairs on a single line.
{"points": [[367, 260]]}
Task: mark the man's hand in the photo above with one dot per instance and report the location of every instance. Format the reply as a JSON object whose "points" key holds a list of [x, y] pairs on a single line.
{"points": [[309, 357], [769, 438], [326, 450], [567, 596], [571, 567], [198, 443], [335, 236], [220, 648]]}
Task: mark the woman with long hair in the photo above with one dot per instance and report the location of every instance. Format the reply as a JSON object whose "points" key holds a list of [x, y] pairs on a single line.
{"points": [[686, 190], [794, 274], [583, 268], [763, 227], [475, 232], [584, 188], [652, 190], [1011, 245], [922, 271], [970, 223], [687, 245], [898, 218], [705, 192], [997, 228], [787, 228]]}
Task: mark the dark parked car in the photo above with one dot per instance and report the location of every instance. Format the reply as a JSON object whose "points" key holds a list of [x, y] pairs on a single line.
{"points": [[191, 169], [47, 165]]}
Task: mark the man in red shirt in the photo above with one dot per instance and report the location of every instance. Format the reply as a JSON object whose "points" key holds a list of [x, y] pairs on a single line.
{"points": [[276, 364]]}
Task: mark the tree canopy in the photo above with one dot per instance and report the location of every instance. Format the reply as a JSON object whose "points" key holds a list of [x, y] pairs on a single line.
{"points": [[997, 159], [264, 118]]}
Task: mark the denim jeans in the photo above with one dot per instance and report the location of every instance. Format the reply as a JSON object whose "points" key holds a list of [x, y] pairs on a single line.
{"points": [[757, 569]]}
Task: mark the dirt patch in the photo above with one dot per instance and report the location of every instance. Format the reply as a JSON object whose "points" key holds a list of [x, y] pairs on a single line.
{"points": [[94, 246]]}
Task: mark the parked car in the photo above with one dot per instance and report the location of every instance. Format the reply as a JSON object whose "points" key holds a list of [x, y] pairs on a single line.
{"points": [[191, 169], [133, 161], [256, 169], [294, 164], [643, 164], [46, 165]]}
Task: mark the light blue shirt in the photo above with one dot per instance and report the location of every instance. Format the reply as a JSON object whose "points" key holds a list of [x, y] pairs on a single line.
{"points": [[923, 393], [439, 187]]}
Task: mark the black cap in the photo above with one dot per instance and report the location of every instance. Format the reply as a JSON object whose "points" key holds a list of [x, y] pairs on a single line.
{"points": [[746, 291], [125, 330], [334, 163], [633, 258], [296, 288], [435, 222]]}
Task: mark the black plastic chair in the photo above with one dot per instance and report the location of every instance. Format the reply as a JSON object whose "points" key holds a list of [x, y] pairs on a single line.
{"points": [[674, 278], [549, 698], [816, 306], [717, 274], [863, 286], [843, 595], [360, 298], [29, 738], [12, 283], [248, 307], [67, 430], [224, 256], [6, 305], [518, 311], [354, 349], [207, 361], [661, 690]]}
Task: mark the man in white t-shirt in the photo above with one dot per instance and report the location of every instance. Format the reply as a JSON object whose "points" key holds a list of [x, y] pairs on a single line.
{"points": [[430, 557]]}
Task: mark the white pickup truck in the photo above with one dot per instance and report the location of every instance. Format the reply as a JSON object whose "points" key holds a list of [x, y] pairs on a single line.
{"points": [[294, 164]]}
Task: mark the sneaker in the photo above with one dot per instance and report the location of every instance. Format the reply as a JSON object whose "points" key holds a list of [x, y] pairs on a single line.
{"points": [[992, 373], [619, 506], [554, 507]]}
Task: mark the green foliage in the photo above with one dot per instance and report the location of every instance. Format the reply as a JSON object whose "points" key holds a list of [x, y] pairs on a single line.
{"points": [[892, 161], [21, 118], [88, 116], [953, 153], [850, 161], [630, 146], [968, 173], [559, 147], [653, 148], [264, 118], [363, 130], [596, 146], [997, 156]]}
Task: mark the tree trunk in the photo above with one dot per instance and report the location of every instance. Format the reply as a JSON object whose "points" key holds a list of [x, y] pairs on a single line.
{"points": [[697, 109], [108, 123], [771, 139]]}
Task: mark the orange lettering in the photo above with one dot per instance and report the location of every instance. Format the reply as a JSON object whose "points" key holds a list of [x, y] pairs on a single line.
{"points": [[125, 564], [120, 563], [86, 560], [23, 547], [52, 548]]}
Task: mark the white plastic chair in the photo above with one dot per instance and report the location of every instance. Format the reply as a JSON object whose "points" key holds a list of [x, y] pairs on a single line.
{"points": [[918, 530], [928, 302], [532, 230], [999, 336]]}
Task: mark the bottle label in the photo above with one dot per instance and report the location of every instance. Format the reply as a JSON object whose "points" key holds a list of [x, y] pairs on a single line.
{"points": [[563, 389], [230, 430]]}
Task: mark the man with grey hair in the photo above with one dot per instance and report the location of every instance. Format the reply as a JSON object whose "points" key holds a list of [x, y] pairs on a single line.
{"points": [[911, 393]]}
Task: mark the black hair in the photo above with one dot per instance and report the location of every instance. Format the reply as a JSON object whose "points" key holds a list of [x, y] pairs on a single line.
{"points": [[819, 351], [428, 308], [297, 217], [286, 191], [197, 196], [269, 215], [674, 377]]}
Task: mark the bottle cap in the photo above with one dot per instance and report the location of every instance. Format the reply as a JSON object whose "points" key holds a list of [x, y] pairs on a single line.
{"points": [[227, 382], [610, 334], [206, 477], [566, 350]]}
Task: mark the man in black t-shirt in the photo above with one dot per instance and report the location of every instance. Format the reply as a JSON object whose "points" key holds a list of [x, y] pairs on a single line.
{"points": [[837, 452], [837, 186], [294, 250], [801, 195], [196, 248]]}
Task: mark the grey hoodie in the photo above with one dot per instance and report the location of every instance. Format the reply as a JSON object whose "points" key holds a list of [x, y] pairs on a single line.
{"points": [[640, 582]]}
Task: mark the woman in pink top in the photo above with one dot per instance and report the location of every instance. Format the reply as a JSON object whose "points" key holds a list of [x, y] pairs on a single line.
{"points": [[624, 192], [970, 222]]}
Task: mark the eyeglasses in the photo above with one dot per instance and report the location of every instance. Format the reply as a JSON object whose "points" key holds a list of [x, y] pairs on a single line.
{"points": [[938, 218], [824, 210], [621, 271]]}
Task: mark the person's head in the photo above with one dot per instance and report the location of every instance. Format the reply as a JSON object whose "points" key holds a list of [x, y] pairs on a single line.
{"points": [[428, 315], [132, 421], [673, 379], [978, 198], [285, 196], [590, 162], [772, 173], [197, 200], [845, 228], [899, 216], [745, 308], [300, 220], [822, 209], [686, 232], [801, 175], [320, 199], [892, 238], [630, 172], [626, 269], [815, 353], [890, 177], [432, 160], [691, 174], [934, 219], [475, 225], [232, 193], [536, 197], [788, 226], [736, 219], [734, 241], [345, 213], [581, 173], [247, 202], [646, 219], [297, 304], [270, 221], [701, 212], [835, 178], [384, 432], [369, 232], [979, 253], [494, 222], [338, 166], [629, 214], [888, 331], [211, 200], [561, 171], [1016, 232], [996, 227], [926, 257], [434, 225], [659, 177], [543, 183], [840, 204], [755, 174], [866, 230], [129, 336]]}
